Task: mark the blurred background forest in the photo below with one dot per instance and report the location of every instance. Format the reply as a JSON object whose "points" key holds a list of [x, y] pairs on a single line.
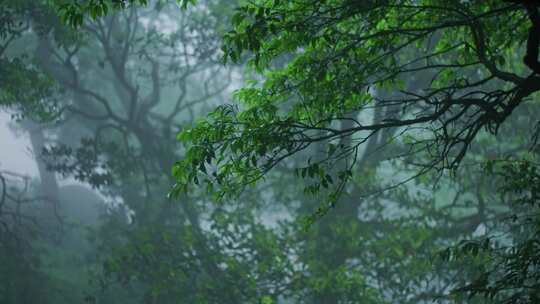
{"points": [[87, 214]]}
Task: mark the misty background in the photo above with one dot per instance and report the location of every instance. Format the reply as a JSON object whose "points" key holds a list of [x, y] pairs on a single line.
{"points": [[86, 215]]}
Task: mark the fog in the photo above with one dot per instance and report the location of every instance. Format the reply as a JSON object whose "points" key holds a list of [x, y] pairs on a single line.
{"points": [[270, 152], [16, 153]]}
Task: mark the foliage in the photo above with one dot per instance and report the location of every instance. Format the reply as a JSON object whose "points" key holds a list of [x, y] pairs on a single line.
{"points": [[510, 258], [436, 73], [73, 12], [24, 88], [351, 98]]}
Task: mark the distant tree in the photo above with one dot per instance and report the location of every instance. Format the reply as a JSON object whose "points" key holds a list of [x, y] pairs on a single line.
{"points": [[509, 259], [24, 88]]}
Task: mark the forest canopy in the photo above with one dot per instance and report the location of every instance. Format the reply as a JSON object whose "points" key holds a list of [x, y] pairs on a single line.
{"points": [[321, 151]]}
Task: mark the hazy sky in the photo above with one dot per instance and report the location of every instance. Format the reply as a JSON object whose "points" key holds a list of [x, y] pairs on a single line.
{"points": [[15, 151]]}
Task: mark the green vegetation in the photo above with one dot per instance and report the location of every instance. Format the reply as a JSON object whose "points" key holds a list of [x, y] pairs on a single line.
{"points": [[321, 151]]}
